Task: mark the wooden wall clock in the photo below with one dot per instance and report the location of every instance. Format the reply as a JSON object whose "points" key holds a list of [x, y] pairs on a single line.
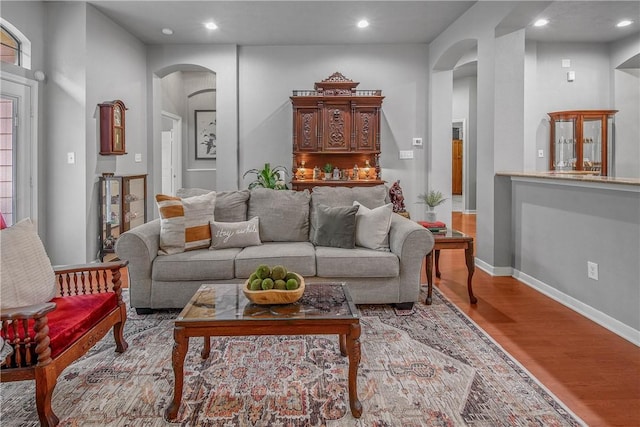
{"points": [[112, 128]]}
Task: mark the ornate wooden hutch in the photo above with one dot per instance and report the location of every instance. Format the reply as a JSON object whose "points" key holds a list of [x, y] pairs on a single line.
{"points": [[339, 125]]}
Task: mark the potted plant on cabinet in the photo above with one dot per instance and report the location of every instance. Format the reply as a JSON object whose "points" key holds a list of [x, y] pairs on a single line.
{"points": [[432, 199], [328, 170], [268, 177]]}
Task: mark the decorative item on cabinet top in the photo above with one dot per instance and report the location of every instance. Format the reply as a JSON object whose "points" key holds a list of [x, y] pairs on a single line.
{"points": [[337, 124], [112, 128]]}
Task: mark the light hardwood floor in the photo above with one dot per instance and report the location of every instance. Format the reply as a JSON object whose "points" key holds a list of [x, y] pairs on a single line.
{"points": [[593, 371]]}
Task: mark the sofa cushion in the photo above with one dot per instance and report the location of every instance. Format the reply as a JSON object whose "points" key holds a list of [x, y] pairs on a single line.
{"points": [[26, 275], [284, 214], [195, 265], [371, 197], [296, 256], [359, 262], [372, 226], [336, 227], [235, 234], [231, 206], [184, 223]]}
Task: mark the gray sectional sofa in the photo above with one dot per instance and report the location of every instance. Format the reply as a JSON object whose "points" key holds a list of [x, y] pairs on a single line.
{"points": [[287, 225]]}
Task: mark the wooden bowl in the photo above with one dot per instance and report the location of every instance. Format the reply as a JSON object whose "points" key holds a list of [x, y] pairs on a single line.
{"points": [[274, 296]]}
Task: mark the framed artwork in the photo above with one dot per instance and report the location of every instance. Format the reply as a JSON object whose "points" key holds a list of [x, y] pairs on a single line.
{"points": [[206, 143]]}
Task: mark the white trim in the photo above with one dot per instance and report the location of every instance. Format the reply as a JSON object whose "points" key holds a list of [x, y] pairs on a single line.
{"points": [[493, 271], [200, 170], [602, 319]]}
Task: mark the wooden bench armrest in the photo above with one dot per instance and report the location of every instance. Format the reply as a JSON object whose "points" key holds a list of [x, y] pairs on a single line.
{"points": [[27, 312]]}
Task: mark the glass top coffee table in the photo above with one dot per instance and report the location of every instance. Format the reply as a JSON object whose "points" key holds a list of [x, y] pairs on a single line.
{"points": [[223, 310]]}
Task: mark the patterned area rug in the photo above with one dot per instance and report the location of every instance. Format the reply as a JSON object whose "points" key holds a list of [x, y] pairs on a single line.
{"points": [[431, 367]]}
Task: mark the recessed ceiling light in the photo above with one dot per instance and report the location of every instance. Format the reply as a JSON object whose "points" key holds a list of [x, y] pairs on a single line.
{"points": [[541, 22], [363, 23], [167, 31], [210, 26], [624, 23]]}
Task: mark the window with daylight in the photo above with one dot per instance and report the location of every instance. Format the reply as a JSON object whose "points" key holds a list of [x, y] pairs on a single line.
{"points": [[10, 47]]}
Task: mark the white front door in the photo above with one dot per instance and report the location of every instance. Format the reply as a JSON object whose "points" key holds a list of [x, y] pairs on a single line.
{"points": [[18, 149]]}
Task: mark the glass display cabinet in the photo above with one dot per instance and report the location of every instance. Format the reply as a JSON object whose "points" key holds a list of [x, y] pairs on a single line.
{"points": [[123, 206], [582, 140]]}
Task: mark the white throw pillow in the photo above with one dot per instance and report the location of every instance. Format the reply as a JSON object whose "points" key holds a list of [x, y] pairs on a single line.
{"points": [[235, 234], [372, 226], [26, 275], [184, 223]]}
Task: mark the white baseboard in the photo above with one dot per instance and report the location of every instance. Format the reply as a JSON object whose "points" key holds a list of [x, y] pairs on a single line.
{"points": [[602, 319], [494, 271]]}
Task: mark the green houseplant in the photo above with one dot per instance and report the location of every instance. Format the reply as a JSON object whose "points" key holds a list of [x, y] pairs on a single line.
{"points": [[432, 199], [328, 169], [267, 177]]}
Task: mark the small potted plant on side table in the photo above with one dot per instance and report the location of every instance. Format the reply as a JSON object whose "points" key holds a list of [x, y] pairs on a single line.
{"points": [[432, 199]]}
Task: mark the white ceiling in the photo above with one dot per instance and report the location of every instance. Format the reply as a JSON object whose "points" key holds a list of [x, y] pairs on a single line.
{"points": [[333, 22]]}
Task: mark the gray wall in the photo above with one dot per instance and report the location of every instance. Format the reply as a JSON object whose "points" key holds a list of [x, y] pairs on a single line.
{"points": [[558, 227], [115, 69], [268, 74], [625, 60]]}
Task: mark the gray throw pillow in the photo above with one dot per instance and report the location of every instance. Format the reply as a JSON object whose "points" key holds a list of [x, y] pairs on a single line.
{"points": [[231, 206], [235, 234], [336, 226]]}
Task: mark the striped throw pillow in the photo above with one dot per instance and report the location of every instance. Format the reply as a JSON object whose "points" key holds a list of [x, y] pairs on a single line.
{"points": [[184, 223]]}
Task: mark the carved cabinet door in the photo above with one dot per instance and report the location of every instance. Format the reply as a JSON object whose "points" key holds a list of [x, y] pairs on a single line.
{"points": [[336, 127], [366, 123], [306, 129]]}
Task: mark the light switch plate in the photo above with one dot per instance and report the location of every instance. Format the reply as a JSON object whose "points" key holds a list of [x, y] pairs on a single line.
{"points": [[71, 157], [417, 142], [566, 63], [571, 76], [406, 154], [138, 157], [540, 153]]}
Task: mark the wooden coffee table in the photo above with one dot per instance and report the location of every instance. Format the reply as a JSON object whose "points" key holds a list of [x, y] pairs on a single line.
{"points": [[452, 239], [223, 310]]}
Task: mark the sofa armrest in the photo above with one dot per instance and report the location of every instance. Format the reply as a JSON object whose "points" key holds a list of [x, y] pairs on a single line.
{"points": [[140, 247], [411, 243]]}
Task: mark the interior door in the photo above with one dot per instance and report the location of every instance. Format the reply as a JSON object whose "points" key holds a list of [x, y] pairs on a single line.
{"points": [[456, 167]]}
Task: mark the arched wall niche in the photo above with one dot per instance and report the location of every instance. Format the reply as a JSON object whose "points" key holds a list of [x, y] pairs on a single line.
{"points": [[181, 90], [461, 56]]}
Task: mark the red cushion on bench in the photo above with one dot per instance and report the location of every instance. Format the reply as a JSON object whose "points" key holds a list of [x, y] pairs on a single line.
{"points": [[73, 317]]}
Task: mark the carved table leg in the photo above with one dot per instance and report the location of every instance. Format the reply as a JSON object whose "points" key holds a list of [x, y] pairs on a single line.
{"points": [[437, 257], [180, 348], [353, 349], [468, 255], [429, 262], [206, 350]]}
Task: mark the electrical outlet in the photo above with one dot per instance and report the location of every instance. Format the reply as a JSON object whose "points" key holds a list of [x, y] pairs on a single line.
{"points": [[592, 270], [540, 153], [71, 157]]}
